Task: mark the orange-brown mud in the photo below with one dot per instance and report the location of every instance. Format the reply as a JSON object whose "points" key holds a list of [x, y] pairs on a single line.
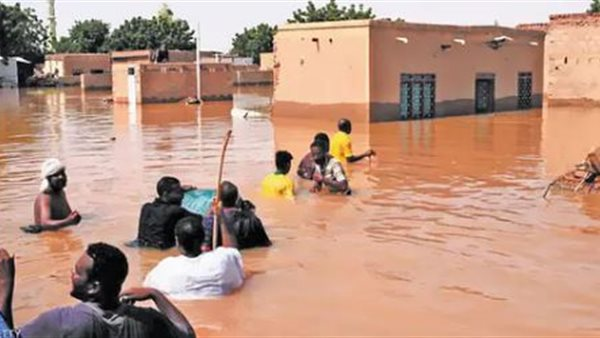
{"points": [[446, 233]]}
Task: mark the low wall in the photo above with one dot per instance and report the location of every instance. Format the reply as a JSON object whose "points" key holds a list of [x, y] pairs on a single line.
{"points": [[68, 81], [166, 82], [96, 81], [258, 77], [172, 82]]}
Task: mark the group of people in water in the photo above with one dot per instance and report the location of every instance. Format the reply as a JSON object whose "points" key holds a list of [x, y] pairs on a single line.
{"points": [[202, 270]]}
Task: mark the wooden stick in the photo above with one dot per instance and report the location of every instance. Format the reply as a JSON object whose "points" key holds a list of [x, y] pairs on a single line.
{"points": [[215, 230], [549, 187], [579, 185]]}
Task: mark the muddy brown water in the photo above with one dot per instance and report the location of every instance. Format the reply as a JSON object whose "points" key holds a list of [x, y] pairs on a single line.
{"points": [[446, 234]]}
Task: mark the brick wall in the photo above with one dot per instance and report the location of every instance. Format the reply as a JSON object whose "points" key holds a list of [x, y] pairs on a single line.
{"points": [[167, 82], [96, 81], [68, 81], [540, 27], [170, 82]]}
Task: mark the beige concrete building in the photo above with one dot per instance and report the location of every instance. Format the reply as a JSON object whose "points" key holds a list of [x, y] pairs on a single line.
{"points": [[383, 70], [572, 61], [267, 61]]}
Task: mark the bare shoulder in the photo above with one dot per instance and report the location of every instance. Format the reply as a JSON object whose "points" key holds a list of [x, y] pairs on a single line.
{"points": [[42, 198]]}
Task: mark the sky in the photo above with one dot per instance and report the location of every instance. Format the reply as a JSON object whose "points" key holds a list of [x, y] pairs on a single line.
{"points": [[220, 20]]}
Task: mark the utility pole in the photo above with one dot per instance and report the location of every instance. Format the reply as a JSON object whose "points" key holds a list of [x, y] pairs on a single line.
{"points": [[198, 69], [52, 24]]}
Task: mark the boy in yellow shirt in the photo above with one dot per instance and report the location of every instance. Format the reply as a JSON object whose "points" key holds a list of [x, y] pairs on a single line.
{"points": [[278, 184], [341, 144]]}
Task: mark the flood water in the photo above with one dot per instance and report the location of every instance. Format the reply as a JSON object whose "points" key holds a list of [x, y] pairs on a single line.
{"points": [[446, 233]]}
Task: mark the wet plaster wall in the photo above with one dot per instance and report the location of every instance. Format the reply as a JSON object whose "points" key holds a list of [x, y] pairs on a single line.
{"points": [[322, 69], [456, 66], [573, 57]]}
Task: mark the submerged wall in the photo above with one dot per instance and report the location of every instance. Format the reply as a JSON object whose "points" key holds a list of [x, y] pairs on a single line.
{"points": [[96, 81], [171, 82]]}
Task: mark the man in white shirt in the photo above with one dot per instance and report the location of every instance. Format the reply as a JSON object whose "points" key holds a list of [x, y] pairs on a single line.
{"points": [[197, 275]]}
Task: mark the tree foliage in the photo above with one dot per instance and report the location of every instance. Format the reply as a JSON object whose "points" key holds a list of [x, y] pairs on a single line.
{"points": [[88, 36], [163, 28], [253, 41], [594, 7], [22, 33], [330, 12]]}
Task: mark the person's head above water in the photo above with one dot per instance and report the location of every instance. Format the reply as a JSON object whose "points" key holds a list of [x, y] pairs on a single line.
{"points": [[99, 274], [190, 235], [345, 125], [317, 150], [229, 194], [53, 175], [169, 190], [283, 161], [322, 137]]}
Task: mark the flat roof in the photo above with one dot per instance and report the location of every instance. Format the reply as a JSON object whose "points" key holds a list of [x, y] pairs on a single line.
{"points": [[387, 23], [574, 16], [61, 56], [126, 54]]}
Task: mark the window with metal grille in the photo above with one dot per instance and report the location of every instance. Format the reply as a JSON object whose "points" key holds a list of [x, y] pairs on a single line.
{"points": [[417, 96], [524, 90]]}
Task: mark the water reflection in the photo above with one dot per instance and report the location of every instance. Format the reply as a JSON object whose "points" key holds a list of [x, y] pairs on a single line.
{"points": [[252, 101], [446, 227]]}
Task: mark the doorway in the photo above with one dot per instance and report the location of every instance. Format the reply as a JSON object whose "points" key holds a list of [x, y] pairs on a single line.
{"points": [[484, 95], [417, 96]]}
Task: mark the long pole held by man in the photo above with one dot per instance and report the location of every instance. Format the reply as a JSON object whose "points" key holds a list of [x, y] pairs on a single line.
{"points": [[217, 209]]}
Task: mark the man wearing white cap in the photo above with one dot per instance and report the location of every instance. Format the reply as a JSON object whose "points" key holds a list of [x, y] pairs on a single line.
{"points": [[51, 208]]}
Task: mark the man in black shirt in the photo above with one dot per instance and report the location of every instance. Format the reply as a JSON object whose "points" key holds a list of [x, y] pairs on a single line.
{"points": [[158, 218]]}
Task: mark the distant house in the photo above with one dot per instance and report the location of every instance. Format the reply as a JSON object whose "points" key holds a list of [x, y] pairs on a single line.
{"points": [[10, 75], [64, 65]]}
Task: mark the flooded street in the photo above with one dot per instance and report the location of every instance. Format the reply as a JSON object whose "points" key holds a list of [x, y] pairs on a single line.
{"points": [[446, 233]]}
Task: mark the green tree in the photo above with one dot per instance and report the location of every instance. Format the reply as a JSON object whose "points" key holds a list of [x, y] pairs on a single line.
{"points": [[142, 33], [88, 36], [64, 45], [330, 12], [594, 7], [253, 41], [22, 33]]}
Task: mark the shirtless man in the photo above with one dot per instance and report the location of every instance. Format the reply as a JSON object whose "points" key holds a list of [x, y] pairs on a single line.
{"points": [[51, 209]]}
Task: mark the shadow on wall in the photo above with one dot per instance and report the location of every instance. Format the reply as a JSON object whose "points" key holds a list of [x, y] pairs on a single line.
{"points": [[569, 132]]}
